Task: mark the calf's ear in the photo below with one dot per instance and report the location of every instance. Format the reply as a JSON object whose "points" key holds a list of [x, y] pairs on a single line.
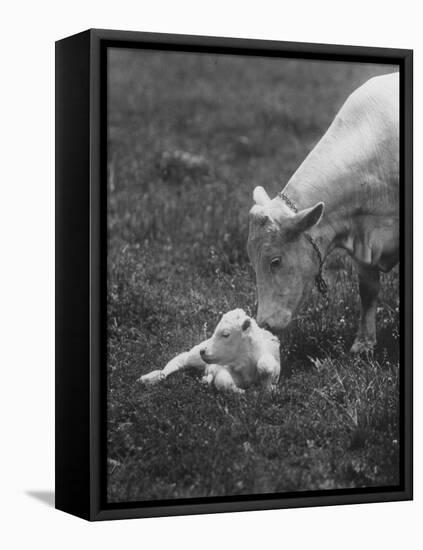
{"points": [[308, 218], [246, 324]]}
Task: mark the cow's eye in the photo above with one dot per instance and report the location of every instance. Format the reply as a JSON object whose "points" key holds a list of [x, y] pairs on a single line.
{"points": [[275, 262], [225, 334]]}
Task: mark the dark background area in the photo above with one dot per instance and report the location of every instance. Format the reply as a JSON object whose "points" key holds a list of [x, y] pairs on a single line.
{"points": [[190, 136]]}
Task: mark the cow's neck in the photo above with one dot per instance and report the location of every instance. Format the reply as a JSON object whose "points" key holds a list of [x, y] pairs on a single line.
{"points": [[332, 231]]}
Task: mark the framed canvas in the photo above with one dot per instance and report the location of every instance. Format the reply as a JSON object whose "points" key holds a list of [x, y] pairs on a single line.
{"points": [[233, 274]]}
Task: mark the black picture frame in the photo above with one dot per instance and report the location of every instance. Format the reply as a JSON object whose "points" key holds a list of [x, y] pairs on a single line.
{"points": [[81, 272]]}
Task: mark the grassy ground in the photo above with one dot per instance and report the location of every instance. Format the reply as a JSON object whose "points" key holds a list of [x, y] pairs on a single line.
{"points": [[177, 260]]}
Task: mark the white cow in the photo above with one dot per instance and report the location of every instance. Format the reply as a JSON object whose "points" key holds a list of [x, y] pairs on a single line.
{"points": [[344, 195], [238, 355]]}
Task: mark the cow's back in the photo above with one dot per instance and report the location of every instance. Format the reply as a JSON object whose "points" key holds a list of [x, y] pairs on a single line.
{"points": [[369, 118], [357, 159]]}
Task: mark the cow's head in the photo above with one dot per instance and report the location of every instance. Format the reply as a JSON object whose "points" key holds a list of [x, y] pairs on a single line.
{"points": [[282, 257]]}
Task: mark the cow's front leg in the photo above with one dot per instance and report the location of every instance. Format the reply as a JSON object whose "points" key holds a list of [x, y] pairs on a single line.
{"points": [[369, 289]]}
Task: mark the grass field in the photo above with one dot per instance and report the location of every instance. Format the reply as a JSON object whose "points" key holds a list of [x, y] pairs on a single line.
{"points": [[177, 261]]}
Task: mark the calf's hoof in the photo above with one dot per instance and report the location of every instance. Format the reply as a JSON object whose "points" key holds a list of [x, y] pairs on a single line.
{"points": [[151, 378], [207, 380], [362, 346]]}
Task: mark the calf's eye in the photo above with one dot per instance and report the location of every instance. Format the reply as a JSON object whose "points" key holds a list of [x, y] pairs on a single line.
{"points": [[275, 262], [225, 334]]}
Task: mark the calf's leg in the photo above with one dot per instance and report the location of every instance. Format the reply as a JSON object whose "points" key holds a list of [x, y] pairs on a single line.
{"points": [[186, 360], [223, 381], [268, 368], [369, 286]]}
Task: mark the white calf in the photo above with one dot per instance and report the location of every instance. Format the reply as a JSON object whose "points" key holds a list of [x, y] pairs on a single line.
{"points": [[238, 355]]}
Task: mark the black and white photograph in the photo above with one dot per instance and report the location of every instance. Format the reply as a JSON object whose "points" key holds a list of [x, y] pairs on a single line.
{"points": [[253, 283], [210, 236]]}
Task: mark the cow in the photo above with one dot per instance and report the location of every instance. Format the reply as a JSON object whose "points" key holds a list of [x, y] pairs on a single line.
{"points": [[240, 354], [344, 195]]}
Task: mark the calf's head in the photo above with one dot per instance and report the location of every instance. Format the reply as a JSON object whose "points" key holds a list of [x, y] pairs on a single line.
{"points": [[283, 259], [226, 344]]}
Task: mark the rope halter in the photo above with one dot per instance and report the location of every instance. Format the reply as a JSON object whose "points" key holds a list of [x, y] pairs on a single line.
{"points": [[320, 283]]}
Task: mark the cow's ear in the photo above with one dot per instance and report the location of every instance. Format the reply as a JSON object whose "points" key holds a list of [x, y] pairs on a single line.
{"points": [[308, 218], [258, 215], [246, 324], [260, 196]]}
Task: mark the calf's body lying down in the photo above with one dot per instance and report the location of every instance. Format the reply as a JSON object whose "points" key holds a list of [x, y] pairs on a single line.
{"points": [[238, 355]]}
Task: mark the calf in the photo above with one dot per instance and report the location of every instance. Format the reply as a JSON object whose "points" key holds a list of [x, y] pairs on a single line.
{"points": [[240, 354]]}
